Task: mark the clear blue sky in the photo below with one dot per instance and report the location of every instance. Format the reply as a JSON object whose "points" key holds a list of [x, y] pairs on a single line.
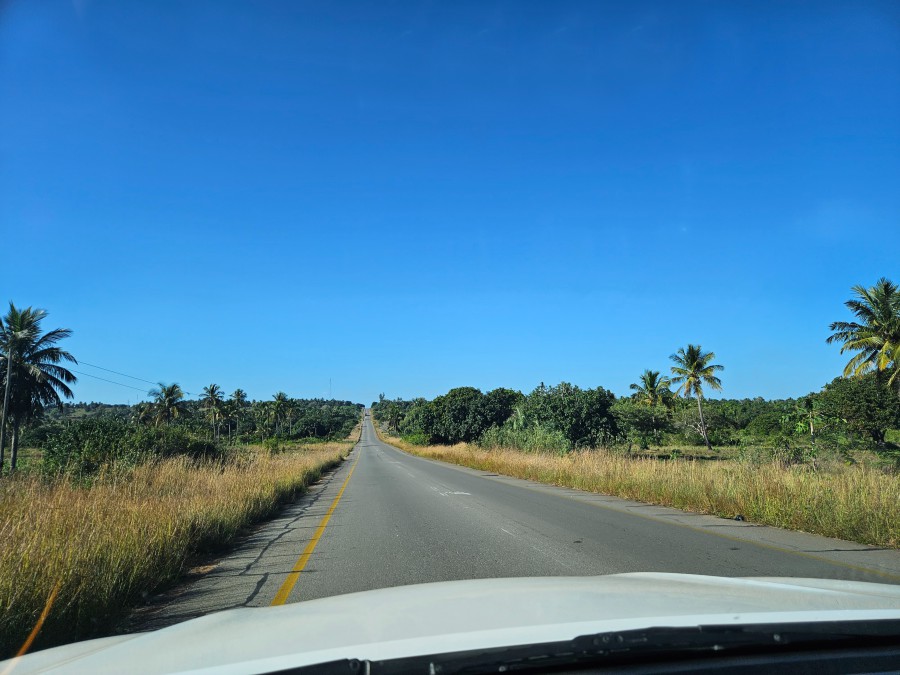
{"points": [[405, 197]]}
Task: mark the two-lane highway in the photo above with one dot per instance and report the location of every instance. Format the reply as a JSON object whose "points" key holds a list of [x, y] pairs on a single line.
{"points": [[386, 518]]}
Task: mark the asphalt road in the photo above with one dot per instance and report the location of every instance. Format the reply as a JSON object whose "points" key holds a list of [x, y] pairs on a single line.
{"points": [[392, 519]]}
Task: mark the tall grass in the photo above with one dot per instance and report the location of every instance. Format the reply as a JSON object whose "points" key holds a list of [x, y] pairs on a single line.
{"points": [[108, 544], [859, 503]]}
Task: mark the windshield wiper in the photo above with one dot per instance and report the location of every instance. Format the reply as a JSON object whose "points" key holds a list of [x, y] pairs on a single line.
{"points": [[660, 645]]}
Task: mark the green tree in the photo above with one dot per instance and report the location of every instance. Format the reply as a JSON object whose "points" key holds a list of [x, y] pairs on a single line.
{"points": [[239, 399], [865, 404], [31, 371], [808, 416], [640, 422], [419, 420], [394, 416], [279, 410], [583, 415], [692, 370], [168, 403], [143, 413], [262, 417], [875, 335], [212, 401], [459, 415], [499, 405], [652, 390]]}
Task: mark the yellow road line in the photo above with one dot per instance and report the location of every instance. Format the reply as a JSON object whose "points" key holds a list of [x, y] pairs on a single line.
{"points": [[282, 595]]}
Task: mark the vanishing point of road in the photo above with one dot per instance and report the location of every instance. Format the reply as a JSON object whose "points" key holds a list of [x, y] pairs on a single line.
{"points": [[387, 518]]}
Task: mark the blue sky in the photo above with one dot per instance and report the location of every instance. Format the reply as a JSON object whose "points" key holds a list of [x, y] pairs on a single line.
{"points": [[404, 197]]}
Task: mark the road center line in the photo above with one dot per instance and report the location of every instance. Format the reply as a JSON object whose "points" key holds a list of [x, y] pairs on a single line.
{"points": [[284, 592]]}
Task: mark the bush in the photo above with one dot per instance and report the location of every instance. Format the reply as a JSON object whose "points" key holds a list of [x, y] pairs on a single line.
{"points": [[417, 439], [84, 447], [534, 438]]}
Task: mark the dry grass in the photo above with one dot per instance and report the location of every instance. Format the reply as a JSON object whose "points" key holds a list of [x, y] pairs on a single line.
{"points": [[111, 543], [858, 503]]}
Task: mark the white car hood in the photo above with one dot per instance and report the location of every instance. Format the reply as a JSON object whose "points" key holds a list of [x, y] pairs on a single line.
{"points": [[462, 615]]}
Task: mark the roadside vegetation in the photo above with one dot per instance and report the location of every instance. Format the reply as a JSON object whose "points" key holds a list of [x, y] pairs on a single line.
{"points": [[857, 503], [102, 505], [103, 546], [827, 462]]}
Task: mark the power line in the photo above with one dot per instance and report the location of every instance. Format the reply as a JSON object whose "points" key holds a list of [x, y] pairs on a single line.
{"points": [[110, 370], [116, 372], [110, 381]]}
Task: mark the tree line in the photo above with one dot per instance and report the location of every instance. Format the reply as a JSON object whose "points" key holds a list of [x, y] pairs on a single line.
{"points": [[863, 403], [35, 380], [858, 408]]}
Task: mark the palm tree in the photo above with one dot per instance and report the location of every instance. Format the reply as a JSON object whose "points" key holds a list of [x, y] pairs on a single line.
{"points": [[692, 370], [142, 413], [875, 334], [262, 413], [239, 398], [212, 401], [652, 389], [168, 403], [279, 409], [29, 366]]}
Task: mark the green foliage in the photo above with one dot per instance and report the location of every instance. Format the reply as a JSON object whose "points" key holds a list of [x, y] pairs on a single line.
{"points": [[536, 438], [692, 371], [865, 404], [271, 445], [31, 373], [552, 418], [768, 423], [652, 390], [459, 415], [291, 418], [418, 420], [875, 336], [582, 415], [417, 438], [83, 447], [641, 423]]}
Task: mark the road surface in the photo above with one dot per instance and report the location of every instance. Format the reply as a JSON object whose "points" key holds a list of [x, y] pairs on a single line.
{"points": [[386, 518]]}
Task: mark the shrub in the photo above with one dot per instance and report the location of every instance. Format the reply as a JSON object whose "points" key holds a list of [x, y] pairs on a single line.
{"points": [[534, 438], [84, 447], [418, 438]]}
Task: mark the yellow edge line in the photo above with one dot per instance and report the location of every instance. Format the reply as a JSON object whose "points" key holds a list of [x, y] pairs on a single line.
{"points": [[284, 592]]}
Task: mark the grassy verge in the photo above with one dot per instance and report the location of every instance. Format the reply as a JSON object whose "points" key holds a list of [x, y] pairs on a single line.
{"points": [[857, 503], [106, 545]]}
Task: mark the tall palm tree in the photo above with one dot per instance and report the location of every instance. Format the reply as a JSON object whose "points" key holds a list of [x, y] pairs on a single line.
{"points": [[875, 334], [168, 403], [239, 399], [279, 410], [212, 401], [30, 370], [692, 370], [652, 389]]}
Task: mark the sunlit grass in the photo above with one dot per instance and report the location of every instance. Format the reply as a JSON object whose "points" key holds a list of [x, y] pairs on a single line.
{"points": [[859, 503], [129, 533]]}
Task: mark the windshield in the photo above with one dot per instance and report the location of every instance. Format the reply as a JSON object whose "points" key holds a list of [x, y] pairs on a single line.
{"points": [[310, 299]]}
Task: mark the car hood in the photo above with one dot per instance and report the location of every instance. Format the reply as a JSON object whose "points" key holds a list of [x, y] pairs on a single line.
{"points": [[463, 615]]}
